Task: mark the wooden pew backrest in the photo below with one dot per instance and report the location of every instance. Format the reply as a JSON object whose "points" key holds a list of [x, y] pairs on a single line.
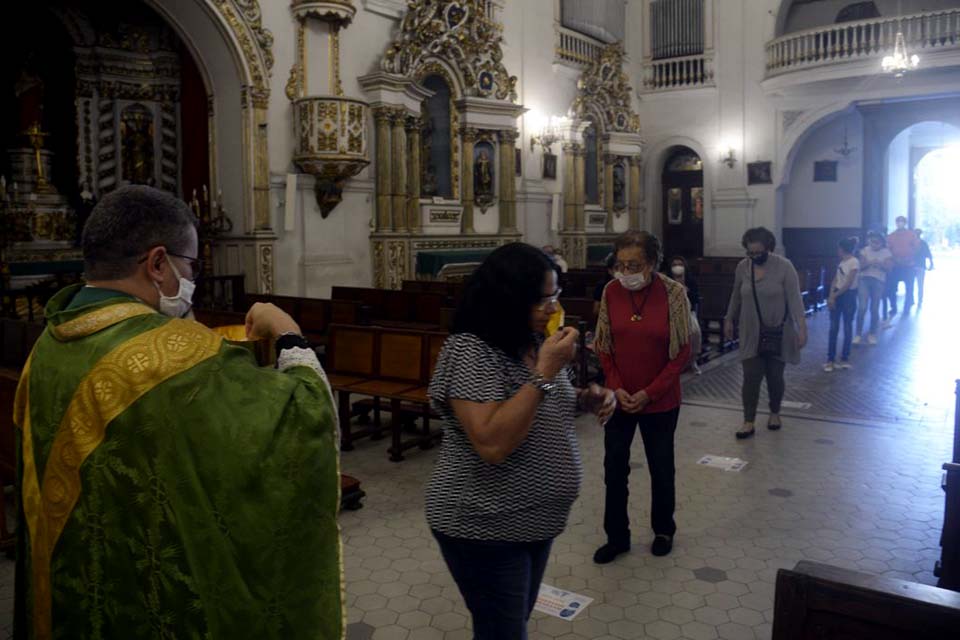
{"points": [[401, 355], [352, 350], [816, 601]]}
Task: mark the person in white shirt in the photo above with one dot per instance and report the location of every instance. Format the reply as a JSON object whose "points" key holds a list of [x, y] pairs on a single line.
{"points": [[875, 262], [843, 304]]}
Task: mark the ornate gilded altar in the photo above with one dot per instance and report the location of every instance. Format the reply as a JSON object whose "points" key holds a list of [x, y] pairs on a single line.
{"points": [[445, 115], [601, 115], [330, 131]]}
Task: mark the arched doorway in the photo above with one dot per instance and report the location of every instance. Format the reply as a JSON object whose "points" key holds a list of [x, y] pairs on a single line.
{"points": [[682, 203], [223, 83], [917, 177], [121, 65]]}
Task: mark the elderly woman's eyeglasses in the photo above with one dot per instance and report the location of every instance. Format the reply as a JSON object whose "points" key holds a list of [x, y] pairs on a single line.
{"points": [[551, 299], [629, 267]]}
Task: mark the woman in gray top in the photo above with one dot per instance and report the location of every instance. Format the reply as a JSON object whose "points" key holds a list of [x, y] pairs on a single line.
{"points": [[780, 306]]}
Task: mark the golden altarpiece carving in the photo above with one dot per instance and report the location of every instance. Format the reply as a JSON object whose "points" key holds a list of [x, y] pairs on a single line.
{"points": [[445, 118], [603, 125]]}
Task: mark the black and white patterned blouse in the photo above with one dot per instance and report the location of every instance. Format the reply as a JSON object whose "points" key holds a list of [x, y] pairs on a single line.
{"points": [[528, 496]]}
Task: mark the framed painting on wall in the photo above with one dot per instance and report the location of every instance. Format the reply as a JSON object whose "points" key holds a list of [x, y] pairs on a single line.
{"points": [[825, 171], [549, 166], [675, 206], [759, 173]]}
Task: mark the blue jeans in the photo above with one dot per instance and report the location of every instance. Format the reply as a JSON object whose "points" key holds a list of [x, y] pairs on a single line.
{"points": [[499, 582], [871, 291], [844, 309]]}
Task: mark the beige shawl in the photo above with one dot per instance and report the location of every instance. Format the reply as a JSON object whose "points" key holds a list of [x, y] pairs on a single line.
{"points": [[679, 317]]}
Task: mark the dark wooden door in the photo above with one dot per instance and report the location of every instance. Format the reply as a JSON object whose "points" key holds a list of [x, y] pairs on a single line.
{"points": [[682, 200]]}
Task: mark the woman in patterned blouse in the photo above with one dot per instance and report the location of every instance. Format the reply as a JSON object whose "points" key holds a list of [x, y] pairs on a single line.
{"points": [[509, 466]]}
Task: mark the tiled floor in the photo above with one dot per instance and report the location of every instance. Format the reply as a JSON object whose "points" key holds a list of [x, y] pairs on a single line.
{"points": [[853, 481]]}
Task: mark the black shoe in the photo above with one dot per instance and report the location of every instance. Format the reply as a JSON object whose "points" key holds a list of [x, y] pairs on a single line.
{"points": [[662, 545], [609, 552]]}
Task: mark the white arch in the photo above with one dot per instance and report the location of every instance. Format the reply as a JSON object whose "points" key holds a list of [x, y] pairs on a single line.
{"points": [[229, 80], [800, 131]]}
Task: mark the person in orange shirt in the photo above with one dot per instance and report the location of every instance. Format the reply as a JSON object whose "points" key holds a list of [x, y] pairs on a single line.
{"points": [[904, 245]]}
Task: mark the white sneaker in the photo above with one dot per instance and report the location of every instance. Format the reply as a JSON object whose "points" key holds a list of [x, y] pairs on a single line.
{"points": [[871, 339], [828, 367], [857, 340], [843, 364]]}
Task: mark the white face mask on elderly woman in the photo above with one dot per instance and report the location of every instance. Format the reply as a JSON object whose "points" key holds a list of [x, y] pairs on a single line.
{"points": [[632, 281]]}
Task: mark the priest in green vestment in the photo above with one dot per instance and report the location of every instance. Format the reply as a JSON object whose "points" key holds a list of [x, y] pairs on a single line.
{"points": [[171, 488]]}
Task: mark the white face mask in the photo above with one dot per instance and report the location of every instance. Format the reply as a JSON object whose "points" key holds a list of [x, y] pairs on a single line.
{"points": [[677, 270], [632, 281], [179, 305]]}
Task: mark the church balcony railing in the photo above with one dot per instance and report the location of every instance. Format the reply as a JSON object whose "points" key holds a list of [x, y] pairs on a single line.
{"points": [[929, 31], [576, 49], [686, 72]]}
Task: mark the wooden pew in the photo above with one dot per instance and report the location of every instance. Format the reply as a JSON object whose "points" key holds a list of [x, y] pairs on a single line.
{"points": [[379, 362], [715, 278], [815, 601], [580, 283], [413, 309], [580, 308]]}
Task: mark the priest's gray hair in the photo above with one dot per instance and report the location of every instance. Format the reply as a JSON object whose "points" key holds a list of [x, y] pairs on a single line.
{"points": [[129, 222]]}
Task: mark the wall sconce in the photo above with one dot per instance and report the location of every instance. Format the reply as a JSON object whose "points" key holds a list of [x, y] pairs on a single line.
{"points": [[549, 136], [730, 159]]}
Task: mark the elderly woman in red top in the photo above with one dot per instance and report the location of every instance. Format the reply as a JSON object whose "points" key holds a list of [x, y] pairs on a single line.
{"points": [[643, 335]]}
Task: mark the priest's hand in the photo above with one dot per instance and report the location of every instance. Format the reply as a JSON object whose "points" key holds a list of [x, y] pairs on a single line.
{"points": [[265, 320]]}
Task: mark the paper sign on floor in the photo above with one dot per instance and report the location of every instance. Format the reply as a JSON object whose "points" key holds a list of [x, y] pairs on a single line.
{"points": [[722, 462], [559, 603]]}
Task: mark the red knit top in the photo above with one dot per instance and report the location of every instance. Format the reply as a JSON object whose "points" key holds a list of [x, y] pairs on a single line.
{"points": [[641, 349]]}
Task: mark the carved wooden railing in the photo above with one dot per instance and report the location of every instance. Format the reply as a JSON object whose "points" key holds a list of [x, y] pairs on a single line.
{"points": [[686, 72], [849, 41], [576, 49]]}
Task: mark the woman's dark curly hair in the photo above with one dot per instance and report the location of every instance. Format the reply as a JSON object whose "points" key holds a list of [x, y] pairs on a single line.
{"points": [[500, 295]]}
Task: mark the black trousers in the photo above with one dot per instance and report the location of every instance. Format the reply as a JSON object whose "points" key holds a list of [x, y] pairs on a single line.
{"points": [[657, 431]]}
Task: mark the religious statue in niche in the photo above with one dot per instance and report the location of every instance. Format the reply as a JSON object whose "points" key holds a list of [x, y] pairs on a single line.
{"points": [[619, 187], [136, 131], [483, 180]]}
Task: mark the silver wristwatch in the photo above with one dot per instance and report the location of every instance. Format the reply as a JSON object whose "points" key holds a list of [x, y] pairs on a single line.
{"points": [[541, 383]]}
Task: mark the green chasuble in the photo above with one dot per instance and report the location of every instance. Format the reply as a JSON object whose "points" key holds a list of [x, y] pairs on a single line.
{"points": [[170, 487]]}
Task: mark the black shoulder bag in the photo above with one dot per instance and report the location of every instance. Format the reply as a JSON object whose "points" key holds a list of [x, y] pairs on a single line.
{"points": [[770, 342]]}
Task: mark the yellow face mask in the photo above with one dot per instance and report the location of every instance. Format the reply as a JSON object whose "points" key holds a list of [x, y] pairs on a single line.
{"points": [[556, 321]]}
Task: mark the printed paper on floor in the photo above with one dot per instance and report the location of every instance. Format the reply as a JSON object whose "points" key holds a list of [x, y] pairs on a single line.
{"points": [[722, 462], [559, 603]]}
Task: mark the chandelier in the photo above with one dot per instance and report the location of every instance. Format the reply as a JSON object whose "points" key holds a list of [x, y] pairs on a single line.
{"points": [[899, 63]]}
